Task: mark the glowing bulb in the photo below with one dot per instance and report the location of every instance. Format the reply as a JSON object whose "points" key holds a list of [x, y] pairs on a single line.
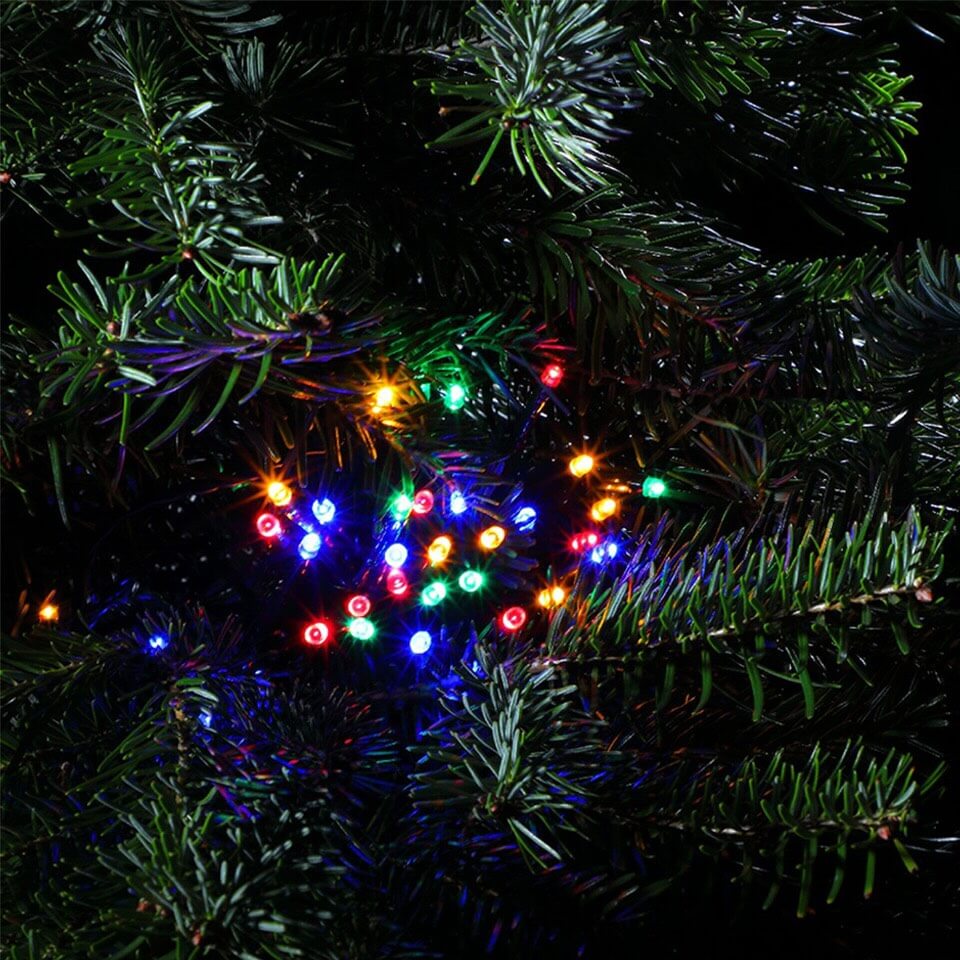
{"points": [[513, 618], [358, 605], [551, 597], [456, 397], [158, 642], [323, 510], [310, 546], [422, 502], [317, 633], [654, 487], [49, 613], [279, 493], [604, 509], [397, 583], [558, 595], [583, 541], [433, 593], [492, 537], [360, 628], [268, 526], [420, 642], [581, 465], [401, 507], [471, 581], [543, 598], [395, 555], [458, 503], [525, 519], [603, 552], [439, 550], [384, 397], [552, 376], [206, 718]]}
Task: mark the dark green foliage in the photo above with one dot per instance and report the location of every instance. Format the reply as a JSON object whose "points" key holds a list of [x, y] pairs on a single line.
{"points": [[750, 709]]}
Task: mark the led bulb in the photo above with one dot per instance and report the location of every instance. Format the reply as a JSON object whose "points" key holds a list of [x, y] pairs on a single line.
{"points": [[384, 397], [395, 555], [268, 526], [455, 397], [654, 487], [360, 628], [558, 595], [604, 509], [358, 605], [433, 593], [492, 537], [158, 642], [397, 583], [603, 552], [583, 541], [317, 633], [543, 598], [420, 642], [310, 546], [422, 502], [401, 506], [513, 618], [552, 375], [525, 519], [471, 581], [49, 613], [581, 465], [439, 550], [279, 493], [458, 503], [323, 510]]}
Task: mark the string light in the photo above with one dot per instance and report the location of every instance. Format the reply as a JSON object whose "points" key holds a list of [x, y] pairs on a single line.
{"points": [[395, 555], [158, 641], [397, 583], [49, 613], [420, 642], [279, 493], [581, 465], [310, 546], [471, 581], [360, 628], [323, 510], [268, 526], [384, 397], [583, 541], [604, 551], [492, 537], [604, 509], [358, 605], [525, 519], [455, 397], [552, 597], [401, 506], [439, 550], [433, 593], [513, 618], [654, 487], [316, 634], [458, 503], [422, 502], [552, 376]]}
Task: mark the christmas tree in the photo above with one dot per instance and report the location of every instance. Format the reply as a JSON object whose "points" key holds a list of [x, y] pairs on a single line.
{"points": [[478, 480]]}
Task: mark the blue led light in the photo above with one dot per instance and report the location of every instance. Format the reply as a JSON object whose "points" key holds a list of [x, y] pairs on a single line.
{"points": [[458, 503], [323, 510], [603, 551], [310, 546], [420, 642], [206, 718], [395, 555], [525, 519], [159, 641]]}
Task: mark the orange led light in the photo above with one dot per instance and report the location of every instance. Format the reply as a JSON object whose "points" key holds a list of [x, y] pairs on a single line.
{"points": [[581, 465], [492, 537], [439, 550], [49, 613], [604, 509], [279, 493]]}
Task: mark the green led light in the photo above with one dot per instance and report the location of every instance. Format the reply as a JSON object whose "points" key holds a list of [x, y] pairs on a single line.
{"points": [[433, 593], [471, 581], [654, 487], [401, 506], [360, 628], [456, 397]]}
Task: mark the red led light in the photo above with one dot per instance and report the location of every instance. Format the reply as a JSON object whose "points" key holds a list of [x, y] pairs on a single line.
{"points": [[268, 526], [583, 541], [317, 633], [358, 605], [397, 583], [422, 502], [513, 618], [552, 375]]}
